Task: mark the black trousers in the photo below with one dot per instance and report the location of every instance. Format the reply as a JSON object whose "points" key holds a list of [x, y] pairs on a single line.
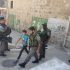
{"points": [[24, 48]]}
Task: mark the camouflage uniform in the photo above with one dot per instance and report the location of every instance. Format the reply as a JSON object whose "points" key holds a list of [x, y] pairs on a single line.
{"points": [[34, 46], [45, 35]]}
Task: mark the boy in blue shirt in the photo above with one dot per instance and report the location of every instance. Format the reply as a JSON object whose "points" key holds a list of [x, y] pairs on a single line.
{"points": [[25, 42]]}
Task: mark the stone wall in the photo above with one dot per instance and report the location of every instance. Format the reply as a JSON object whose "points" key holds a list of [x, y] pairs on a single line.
{"points": [[25, 9], [58, 29]]}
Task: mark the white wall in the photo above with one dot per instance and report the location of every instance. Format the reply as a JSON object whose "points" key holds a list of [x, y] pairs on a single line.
{"points": [[58, 30]]}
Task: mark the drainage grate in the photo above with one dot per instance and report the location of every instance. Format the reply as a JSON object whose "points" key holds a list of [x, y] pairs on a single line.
{"points": [[9, 63]]}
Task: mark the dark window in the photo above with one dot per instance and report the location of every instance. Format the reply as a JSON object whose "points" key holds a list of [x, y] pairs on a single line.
{"points": [[11, 5]]}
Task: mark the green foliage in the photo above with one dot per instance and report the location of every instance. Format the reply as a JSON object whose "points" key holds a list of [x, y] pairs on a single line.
{"points": [[37, 22]]}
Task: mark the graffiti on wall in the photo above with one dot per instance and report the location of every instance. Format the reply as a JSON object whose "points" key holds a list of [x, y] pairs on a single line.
{"points": [[58, 30]]}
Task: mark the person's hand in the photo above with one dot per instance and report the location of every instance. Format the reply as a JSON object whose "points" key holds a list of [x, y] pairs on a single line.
{"points": [[28, 47], [16, 45]]}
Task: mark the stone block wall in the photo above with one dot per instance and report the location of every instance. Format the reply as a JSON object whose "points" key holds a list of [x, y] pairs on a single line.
{"points": [[25, 9]]}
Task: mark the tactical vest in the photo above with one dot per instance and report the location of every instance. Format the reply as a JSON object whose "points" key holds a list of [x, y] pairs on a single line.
{"points": [[45, 35], [33, 40]]}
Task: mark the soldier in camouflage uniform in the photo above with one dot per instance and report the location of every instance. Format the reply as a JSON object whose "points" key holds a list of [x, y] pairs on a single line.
{"points": [[34, 43], [45, 36]]}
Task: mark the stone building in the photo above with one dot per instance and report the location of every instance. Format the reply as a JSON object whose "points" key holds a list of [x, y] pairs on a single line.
{"points": [[24, 10], [20, 13]]}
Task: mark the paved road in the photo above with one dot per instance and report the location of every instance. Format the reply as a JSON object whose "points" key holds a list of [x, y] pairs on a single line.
{"points": [[51, 52]]}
